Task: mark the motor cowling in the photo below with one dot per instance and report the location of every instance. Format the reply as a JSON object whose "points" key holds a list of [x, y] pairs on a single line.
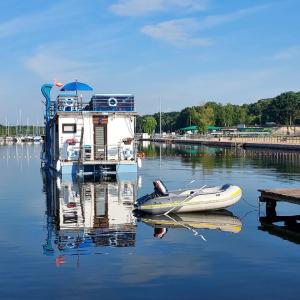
{"points": [[160, 188]]}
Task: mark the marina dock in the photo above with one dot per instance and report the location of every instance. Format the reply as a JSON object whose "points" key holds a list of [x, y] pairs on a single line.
{"points": [[276, 143], [286, 195], [285, 227]]}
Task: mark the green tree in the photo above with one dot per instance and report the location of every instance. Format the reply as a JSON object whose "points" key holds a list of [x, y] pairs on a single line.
{"points": [[227, 115], [148, 124], [168, 121], [185, 117], [283, 109], [203, 116], [289, 106], [138, 124]]}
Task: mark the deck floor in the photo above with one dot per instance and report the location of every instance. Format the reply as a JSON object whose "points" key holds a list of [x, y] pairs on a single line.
{"points": [[102, 162], [288, 195]]}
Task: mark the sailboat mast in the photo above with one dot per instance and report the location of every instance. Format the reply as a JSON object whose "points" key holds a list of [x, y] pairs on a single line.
{"points": [[160, 116], [20, 113]]}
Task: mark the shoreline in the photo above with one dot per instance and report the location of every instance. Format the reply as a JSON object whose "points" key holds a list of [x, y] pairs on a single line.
{"points": [[228, 143]]}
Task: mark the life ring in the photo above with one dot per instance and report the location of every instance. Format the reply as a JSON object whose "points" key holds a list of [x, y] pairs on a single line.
{"points": [[139, 162], [69, 102], [113, 102]]}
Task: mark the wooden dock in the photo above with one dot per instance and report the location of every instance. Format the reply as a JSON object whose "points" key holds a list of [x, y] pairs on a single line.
{"points": [[285, 227], [287, 195]]}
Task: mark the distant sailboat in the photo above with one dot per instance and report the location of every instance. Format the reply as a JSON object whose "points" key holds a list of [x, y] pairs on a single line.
{"points": [[37, 138], [28, 138], [8, 139]]}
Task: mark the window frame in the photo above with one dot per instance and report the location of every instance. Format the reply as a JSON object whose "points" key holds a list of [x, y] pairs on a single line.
{"points": [[69, 131]]}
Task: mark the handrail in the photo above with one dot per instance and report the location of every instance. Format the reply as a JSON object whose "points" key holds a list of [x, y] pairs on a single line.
{"points": [[111, 152]]}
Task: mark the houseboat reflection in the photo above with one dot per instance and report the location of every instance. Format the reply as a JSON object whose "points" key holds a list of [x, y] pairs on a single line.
{"points": [[82, 216]]}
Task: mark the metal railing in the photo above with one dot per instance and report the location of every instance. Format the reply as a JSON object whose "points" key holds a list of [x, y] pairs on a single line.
{"points": [[77, 152], [58, 106]]}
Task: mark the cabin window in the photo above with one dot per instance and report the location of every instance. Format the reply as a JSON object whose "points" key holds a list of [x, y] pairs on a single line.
{"points": [[69, 128]]}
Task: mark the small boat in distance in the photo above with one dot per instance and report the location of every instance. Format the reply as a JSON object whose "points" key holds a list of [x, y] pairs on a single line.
{"points": [[9, 139], [37, 139], [191, 200]]}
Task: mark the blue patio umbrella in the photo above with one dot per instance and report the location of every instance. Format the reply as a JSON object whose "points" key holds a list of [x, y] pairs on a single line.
{"points": [[76, 86]]}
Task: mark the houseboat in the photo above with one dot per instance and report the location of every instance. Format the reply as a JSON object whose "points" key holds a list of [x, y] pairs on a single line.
{"points": [[89, 138]]}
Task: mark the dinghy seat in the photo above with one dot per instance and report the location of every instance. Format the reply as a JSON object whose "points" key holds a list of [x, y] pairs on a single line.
{"points": [[160, 188], [225, 187]]}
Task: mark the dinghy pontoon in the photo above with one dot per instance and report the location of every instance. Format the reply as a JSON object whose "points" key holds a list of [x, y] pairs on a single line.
{"points": [[191, 200]]}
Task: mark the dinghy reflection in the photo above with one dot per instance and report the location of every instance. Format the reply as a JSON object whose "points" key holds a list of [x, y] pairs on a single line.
{"points": [[86, 215], [222, 220]]}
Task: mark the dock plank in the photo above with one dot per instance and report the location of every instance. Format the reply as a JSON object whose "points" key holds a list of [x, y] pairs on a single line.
{"points": [[288, 195]]}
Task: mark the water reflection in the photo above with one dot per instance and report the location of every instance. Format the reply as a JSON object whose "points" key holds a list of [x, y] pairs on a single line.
{"points": [[83, 216], [285, 227], [209, 158], [222, 220]]}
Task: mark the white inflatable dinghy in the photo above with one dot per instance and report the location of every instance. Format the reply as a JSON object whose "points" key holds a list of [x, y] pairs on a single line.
{"points": [[192, 200]]}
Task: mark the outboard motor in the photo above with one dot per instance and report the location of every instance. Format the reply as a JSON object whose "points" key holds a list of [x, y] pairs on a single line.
{"points": [[159, 191], [160, 188]]}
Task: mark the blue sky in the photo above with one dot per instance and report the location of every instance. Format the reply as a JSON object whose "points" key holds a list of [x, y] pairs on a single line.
{"points": [[185, 52]]}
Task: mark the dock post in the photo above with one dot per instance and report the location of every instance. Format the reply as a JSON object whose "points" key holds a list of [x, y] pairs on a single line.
{"points": [[270, 208]]}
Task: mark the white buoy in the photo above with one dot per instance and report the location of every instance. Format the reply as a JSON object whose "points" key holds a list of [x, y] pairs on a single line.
{"points": [[139, 162], [140, 181]]}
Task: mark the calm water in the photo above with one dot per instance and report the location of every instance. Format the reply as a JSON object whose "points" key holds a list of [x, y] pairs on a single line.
{"points": [[64, 240]]}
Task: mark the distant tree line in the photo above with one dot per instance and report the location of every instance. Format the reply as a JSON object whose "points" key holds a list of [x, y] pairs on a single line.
{"points": [[283, 109], [21, 130]]}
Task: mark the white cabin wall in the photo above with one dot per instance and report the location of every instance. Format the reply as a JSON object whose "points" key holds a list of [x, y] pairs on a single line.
{"points": [[119, 127], [88, 136], [63, 136]]}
